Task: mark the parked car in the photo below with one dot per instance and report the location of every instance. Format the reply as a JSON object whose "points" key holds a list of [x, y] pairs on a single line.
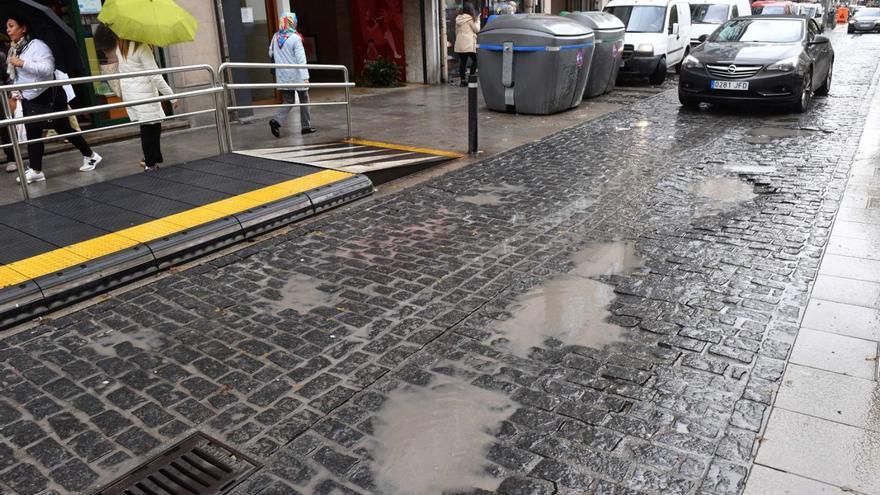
{"points": [[865, 19], [657, 37], [780, 60], [774, 7], [707, 15]]}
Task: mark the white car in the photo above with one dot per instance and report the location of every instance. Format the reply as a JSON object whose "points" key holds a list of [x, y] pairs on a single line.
{"points": [[658, 34], [707, 15]]}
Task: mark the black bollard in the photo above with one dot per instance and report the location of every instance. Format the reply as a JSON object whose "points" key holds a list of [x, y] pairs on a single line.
{"points": [[472, 115]]}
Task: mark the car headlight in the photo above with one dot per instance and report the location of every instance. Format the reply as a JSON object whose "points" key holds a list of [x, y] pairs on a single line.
{"points": [[785, 65], [691, 62], [645, 49]]}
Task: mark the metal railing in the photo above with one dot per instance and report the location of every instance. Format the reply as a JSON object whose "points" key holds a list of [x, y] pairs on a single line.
{"points": [[12, 121], [226, 69], [218, 86]]}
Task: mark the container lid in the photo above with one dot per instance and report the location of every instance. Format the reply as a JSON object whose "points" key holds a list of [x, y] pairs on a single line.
{"points": [[542, 23], [601, 21]]}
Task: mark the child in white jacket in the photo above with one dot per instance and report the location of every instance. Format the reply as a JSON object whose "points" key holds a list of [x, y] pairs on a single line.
{"points": [[132, 57]]}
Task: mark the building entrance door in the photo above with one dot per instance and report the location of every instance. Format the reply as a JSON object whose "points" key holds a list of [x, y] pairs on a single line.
{"points": [[259, 19]]}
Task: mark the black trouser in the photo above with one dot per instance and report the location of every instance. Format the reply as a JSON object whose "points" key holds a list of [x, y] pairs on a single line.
{"points": [[150, 144], [462, 63], [6, 138], [44, 104]]}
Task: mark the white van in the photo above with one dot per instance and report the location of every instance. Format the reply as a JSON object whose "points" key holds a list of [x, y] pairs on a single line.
{"points": [[707, 15], [658, 34]]}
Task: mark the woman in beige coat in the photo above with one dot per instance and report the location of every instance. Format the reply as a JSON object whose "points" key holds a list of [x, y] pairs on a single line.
{"points": [[467, 25]]}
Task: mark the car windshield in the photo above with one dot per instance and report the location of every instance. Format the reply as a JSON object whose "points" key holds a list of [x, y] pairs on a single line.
{"points": [[639, 18], [773, 10], [872, 12], [808, 10], [709, 13], [760, 31]]}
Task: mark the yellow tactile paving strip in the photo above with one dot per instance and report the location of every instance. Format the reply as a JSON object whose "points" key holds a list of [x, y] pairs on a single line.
{"points": [[82, 252], [402, 147]]}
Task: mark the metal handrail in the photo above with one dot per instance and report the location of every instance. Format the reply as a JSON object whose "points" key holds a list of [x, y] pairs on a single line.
{"points": [[226, 67], [217, 91]]}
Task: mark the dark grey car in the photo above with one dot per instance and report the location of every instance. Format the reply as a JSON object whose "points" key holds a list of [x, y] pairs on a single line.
{"points": [[866, 19], [779, 60]]}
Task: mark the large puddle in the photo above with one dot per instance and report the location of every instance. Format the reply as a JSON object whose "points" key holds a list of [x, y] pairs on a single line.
{"points": [[301, 293], [434, 440], [725, 190], [572, 307], [766, 135], [491, 195]]}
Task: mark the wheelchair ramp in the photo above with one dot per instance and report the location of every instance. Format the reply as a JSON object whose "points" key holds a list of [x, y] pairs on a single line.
{"points": [[63, 247], [355, 155]]}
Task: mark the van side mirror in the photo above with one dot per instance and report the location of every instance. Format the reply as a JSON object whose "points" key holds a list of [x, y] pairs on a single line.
{"points": [[703, 38], [819, 40], [674, 29]]}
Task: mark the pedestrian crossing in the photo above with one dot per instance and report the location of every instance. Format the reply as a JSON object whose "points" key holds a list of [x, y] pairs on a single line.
{"points": [[354, 155]]}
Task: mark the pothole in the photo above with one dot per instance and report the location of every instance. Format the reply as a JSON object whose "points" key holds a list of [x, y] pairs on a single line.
{"points": [[724, 190], [572, 308], [435, 439], [766, 135]]}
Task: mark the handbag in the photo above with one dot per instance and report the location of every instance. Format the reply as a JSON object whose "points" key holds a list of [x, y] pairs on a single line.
{"points": [[48, 101]]}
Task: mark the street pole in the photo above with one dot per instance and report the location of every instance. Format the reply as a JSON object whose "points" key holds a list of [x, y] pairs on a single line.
{"points": [[473, 145]]}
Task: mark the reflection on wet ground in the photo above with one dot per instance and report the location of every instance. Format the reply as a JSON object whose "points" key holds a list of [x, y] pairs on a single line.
{"points": [[573, 307], [301, 293], [434, 440], [750, 169], [724, 192], [766, 135], [490, 195]]}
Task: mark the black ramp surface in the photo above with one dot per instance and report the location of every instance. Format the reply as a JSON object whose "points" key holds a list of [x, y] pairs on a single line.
{"points": [[129, 199], [244, 173], [205, 180], [291, 169], [17, 245], [50, 227], [101, 215], [193, 195]]}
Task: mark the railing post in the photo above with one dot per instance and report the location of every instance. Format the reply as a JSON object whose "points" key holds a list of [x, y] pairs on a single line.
{"points": [[473, 141], [16, 148], [347, 103]]}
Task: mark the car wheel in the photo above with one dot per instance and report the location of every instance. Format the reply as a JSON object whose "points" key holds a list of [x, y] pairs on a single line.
{"points": [[659, 74], [803, 103], [826, 86], [688, 102], [680, 62], [850, 31]]}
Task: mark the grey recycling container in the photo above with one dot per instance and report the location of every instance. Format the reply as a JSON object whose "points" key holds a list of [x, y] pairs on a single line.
{"points": [[533, 64], [608, 31]]}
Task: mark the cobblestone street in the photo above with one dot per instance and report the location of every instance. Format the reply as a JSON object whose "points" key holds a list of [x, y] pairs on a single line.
{"points": [[420, 342]]}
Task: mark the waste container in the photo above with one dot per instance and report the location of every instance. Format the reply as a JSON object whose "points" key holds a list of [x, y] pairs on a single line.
{"points": [[533, 63], [608, 31]]}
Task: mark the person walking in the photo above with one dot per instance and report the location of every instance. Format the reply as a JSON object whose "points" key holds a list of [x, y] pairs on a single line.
{"points": [[30, 61], [133, 56], [286, 47], [467, 25]]}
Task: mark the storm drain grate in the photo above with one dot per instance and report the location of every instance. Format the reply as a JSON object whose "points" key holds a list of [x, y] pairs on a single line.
{"points": [[198, 465]]}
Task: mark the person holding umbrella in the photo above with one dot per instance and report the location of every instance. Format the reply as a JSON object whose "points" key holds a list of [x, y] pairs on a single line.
{"points": [[286, 47], [31, 60]]}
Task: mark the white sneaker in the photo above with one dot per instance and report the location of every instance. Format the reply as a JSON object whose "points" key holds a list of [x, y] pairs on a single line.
{"points": [[32, 176], [90, 162]]}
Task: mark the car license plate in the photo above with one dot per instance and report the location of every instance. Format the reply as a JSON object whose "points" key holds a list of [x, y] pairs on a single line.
{"points": [[734, 85]]}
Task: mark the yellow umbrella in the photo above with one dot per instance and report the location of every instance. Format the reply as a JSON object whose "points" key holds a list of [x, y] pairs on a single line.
{"points": [[155, 22]]}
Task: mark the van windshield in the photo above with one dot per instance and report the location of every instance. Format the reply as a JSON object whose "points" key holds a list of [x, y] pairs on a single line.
{"points": [[639, 18], [759, 31], [773, 10], [709, 13]]}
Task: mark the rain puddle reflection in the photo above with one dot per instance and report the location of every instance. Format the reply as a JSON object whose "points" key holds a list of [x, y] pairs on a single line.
{"points": [[724, 191], [490, 195], [301, 293], [572, 307], [766, 135], [750, 169], [434, 440]]}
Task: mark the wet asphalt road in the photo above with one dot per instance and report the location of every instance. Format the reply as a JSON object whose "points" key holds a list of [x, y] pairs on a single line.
{"points": [[608, 310]]}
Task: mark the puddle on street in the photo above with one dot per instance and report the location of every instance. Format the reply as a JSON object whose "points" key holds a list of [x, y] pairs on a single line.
{"points": [[434, 440], [572, 307], [491, 195], [301, 293], [750, 169], [766, 135], [725, 190], [143, 337]]}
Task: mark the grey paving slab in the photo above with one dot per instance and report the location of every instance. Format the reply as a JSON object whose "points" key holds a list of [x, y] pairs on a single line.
{"points": [[847, 457], [849, 267], [844, 319], [856, 248], [859, 215], [847, 291], [766, 481], [853, 230], [837, 353], [843, 399]]}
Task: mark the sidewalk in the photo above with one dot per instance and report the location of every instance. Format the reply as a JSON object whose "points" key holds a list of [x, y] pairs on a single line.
{"points": [[416, 115], [823, 435]]}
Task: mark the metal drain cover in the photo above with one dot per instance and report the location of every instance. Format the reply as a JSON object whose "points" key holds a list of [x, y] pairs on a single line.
{"points": [[198, 465]]}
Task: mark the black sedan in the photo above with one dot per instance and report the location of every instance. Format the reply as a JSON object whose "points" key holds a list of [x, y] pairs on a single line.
{"points": [[778, 60], [865, 19]]}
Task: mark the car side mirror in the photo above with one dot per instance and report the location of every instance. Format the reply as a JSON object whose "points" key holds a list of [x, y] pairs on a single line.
{"points": [[674, 29], [819, 40], [703, 38]]}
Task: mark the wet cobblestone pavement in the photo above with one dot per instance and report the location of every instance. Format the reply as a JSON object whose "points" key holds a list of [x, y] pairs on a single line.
{"points": [[377, 350]]}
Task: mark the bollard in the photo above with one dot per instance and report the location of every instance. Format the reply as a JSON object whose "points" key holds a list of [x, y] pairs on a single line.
{"points": [[473, 146]]}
